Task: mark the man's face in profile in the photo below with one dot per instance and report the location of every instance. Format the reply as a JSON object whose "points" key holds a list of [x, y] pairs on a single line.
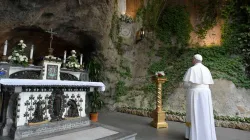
{"points": [[193, 62]]}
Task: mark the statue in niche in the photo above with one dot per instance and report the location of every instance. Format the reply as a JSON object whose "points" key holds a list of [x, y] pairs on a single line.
{"points": [[56, 105], [38, 114], [73, 110]]}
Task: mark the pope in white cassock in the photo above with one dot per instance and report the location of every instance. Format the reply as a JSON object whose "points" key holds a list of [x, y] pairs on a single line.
{"points": [[199, 109]]}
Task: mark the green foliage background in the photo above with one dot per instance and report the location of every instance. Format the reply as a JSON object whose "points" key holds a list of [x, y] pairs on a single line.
{"points": [[228, 61], [174, 22], [171, 25]]}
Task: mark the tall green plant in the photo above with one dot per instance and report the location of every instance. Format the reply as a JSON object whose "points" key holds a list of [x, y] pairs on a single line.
{"points": [[94, 69], [96, 102]]}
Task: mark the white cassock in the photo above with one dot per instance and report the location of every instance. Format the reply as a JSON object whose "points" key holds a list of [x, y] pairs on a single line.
{"points": [[199, 109]]}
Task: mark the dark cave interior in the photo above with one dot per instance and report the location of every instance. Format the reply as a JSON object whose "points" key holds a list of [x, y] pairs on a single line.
{"points": [[86, 43]]}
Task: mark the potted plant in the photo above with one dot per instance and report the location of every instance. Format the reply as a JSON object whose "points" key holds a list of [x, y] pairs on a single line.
{"points": [[96, 103]]}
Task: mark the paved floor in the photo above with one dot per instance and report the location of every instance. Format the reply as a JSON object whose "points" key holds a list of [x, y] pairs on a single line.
{"points": [[140, 125], [176, 130]]}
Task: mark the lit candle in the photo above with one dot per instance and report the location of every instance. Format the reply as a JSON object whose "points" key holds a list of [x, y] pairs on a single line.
{"points": [[81, 60], [5, 47], [31, 52], [64, 58]]}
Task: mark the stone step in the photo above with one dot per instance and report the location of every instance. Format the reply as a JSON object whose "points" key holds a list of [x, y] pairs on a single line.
{"points": [[95, 131], [40, 130]]}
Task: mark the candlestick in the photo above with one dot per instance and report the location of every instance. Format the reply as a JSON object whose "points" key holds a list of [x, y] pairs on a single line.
{"points": [[5, 47], [158, 115], [64, 58], [31, 52], [81, 60], [31, 62]]}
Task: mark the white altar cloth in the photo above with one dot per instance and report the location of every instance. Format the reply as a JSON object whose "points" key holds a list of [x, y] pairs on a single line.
{"points": [[33, 82]]}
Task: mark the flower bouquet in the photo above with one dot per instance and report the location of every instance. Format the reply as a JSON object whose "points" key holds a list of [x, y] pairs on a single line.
{"points": [[18, 57], [159, 75], [72, 61]]}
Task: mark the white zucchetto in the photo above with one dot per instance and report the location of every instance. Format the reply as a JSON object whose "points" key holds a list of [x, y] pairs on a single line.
{"points": [[198, 57]]}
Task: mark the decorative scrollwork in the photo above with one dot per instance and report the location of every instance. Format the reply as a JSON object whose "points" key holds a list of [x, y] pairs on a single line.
{"points": [[67, 76], [39, 112], [27, 74]]}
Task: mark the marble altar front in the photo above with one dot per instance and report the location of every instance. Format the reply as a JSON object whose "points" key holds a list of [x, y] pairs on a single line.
{"points": [[30, 103]]}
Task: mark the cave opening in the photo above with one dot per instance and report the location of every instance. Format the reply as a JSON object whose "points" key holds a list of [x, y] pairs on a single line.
{"points": [[83, 43]]}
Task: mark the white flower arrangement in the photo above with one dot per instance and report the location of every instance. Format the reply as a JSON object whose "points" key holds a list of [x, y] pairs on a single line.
{"points": [[160, 74], [72, 61], [18, 56], [126, 18]]}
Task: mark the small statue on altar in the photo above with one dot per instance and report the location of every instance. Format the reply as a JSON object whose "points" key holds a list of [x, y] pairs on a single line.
{"points": [[39, 112], [18, 57], [73, 111], [57, 104], [73, 61]]}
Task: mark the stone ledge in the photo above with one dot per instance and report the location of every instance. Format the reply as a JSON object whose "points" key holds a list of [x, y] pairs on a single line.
{"points": [[25, 132], [121, 135], [181, 118], [144, 113]]}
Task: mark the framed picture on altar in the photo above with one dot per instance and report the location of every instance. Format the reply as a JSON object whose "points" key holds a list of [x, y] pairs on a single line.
{"points": [[52, 72]]}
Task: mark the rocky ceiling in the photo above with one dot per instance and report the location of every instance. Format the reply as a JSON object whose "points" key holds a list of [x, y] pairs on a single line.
{"points": [[79, 24]]}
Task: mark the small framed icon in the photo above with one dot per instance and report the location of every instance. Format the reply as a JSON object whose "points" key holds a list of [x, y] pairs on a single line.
{"points": [[52, 72]]}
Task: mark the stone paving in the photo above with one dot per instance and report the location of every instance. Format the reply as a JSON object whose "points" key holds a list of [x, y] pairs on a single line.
{"points": [[140, 125], [176, 130]]}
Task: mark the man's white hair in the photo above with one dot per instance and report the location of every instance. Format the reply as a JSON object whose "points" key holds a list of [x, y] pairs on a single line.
{"points": [[198, 57]]}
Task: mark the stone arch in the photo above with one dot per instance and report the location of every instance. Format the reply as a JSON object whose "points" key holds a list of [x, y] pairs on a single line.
{"points": [[85, 42], [40, 38]]}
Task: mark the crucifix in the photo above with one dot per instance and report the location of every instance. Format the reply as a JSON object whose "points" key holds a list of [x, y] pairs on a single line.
{"points": [[51, 38]]}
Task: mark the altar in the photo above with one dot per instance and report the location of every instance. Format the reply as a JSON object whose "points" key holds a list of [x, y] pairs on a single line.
{"points": [[40, 100], [48, 99]]}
